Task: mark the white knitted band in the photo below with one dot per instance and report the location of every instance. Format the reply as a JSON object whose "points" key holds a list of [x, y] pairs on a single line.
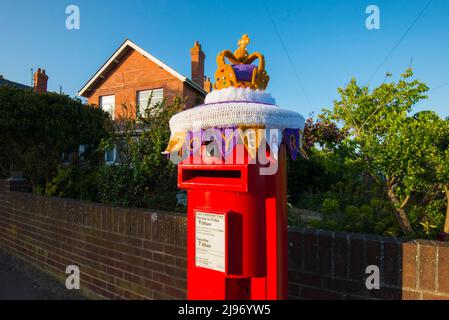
{"points": [[239, 94], [228, 114]]}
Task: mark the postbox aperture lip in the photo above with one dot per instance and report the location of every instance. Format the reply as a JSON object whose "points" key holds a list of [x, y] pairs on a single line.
{"points": [[213, 177]]}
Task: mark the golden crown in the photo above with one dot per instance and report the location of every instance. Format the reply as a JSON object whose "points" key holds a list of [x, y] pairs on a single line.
{"points": [[241, 73]]}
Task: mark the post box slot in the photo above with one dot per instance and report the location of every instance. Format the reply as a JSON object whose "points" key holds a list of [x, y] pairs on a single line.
{"points": [[226, 179], [192, 174]]}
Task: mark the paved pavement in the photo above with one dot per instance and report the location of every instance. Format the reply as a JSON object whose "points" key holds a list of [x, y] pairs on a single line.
{"points": [[20, 281]]}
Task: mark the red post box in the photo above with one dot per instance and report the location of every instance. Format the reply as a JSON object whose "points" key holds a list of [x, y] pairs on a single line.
{"points": [[237, 215], [237, 229]]}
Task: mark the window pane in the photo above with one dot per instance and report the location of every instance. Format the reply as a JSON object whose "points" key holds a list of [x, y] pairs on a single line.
{"points": [[109, 156], [107, 103], [157, 93], [107, 99], [143, 97]]}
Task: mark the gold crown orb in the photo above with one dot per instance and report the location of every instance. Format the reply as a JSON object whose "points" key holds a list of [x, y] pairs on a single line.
{"points": [[241, 73]]}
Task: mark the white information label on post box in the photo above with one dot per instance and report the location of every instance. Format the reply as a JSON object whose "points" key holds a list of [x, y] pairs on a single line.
{"points": [[210, 240]]}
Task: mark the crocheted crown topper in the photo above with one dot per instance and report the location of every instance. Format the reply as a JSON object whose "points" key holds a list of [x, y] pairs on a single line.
{"points": [[241, 73]]}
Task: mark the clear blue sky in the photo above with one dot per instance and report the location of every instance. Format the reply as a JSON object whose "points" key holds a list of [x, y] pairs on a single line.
{"points": [[327, 41]]}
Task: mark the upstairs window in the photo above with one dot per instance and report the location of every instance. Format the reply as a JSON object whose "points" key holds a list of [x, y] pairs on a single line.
{"points": [[107, 103], [110, 156], [143, 99]]}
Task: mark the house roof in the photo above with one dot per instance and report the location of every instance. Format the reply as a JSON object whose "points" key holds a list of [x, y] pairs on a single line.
{"points": [[5, 82], [115, 59]]}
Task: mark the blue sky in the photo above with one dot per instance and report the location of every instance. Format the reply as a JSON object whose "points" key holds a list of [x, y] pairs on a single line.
{"points": [[327, 41]]}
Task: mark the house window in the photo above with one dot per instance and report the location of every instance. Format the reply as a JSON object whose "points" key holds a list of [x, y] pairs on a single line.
{"points": [[82, 149], [66, 157], [143, 99], [107, 103], [110, 156]]}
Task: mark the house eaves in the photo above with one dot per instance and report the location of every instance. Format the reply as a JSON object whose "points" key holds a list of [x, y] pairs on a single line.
{"points": [[115, 59]]}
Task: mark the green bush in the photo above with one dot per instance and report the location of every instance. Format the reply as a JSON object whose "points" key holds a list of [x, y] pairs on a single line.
{"points": [[143, 177], [355, 205], [35, 130], [73, 182], [329, 207], [429, 218]]}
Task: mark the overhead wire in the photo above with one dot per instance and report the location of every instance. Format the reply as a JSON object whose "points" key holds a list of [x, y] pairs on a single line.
{"points": [[400, 41], [284, 47]]}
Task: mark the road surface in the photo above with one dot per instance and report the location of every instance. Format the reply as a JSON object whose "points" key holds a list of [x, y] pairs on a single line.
{"points": [[20, 281]]}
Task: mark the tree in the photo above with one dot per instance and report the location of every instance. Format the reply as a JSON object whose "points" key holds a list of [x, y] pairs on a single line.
{"points": [[437, 132], [322, 132], [325, 163], [443, 177], [35, 129], [378, 124], [142, 177]]}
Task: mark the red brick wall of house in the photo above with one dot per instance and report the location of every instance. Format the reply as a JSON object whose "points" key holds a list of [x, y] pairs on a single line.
{"points": [[193, 98], [134, 73], [141, 254]]}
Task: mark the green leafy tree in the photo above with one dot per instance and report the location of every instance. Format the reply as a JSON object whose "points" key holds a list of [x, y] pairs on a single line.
{"points": [[326, 159], [435, 133], [35, 129], [379, 126], [443, 178], [142, 177]]}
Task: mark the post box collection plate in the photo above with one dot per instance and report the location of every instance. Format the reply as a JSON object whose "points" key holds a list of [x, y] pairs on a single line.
{"points": [[210, 240]]}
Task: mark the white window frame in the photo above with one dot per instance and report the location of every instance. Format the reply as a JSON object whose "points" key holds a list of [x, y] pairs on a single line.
{"points": [[149, 92], [111, 109]]}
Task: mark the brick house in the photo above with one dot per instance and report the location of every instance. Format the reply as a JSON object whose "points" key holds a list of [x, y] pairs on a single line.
{"points": [[132, 74]]}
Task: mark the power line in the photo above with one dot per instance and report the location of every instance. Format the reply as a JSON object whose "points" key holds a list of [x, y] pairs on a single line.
{"points": [[284, 47], [400, 40], [440, 86]]}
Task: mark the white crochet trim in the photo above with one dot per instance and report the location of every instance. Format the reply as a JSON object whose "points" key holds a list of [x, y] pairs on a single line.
{"points": [[239, 94], [229, 114]]}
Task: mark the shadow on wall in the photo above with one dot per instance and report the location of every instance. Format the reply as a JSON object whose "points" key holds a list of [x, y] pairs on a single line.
{"points": [[336, 265]]}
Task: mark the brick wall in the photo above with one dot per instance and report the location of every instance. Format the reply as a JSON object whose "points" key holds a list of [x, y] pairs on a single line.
{"points": [[121, 253], [332, 265], [134, 253]]}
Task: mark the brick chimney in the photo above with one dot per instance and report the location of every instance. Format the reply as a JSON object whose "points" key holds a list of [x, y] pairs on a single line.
{"points": [[207, 84], [197, 56], [40, 81]]}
